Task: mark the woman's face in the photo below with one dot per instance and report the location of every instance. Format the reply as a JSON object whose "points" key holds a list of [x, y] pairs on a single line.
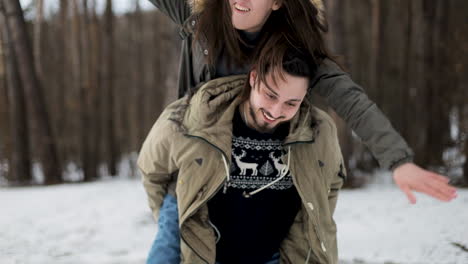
{"points": [[251, 15]]}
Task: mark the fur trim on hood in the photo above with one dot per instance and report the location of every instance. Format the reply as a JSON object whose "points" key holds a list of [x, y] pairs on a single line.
{"points": [[198, 6]]}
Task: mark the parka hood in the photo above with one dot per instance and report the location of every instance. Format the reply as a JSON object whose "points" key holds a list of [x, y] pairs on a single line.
{"points": [[199, 5]]}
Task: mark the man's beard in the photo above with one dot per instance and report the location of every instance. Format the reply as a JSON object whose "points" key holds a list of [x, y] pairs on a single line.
{"points": [[264, 128]]}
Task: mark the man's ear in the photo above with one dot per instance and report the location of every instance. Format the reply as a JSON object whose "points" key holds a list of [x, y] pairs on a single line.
{"points": [[252, 78]]}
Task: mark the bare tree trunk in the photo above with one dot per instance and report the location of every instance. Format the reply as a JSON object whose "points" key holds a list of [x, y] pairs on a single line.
{"points": [[392, 59], [415, 117], [63, 75], [94, 94], [337, 34], [436, 101], [5, 137], [20, 162], [337, 42], [459, 62], [375, 44], [38, 37], [77, 62], [164, 41], [20, 40], [139, 77], [87, 130], [463, 134], [108, 77]]}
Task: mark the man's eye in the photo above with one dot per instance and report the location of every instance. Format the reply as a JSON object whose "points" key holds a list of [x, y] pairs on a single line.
{"points": [[270, 96], [291, 104]]}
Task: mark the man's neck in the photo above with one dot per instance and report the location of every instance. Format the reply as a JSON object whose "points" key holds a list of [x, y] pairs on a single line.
{"points": [[243, 109]]}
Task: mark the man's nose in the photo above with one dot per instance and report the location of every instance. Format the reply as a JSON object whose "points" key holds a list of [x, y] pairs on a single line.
{"points": [[275, 110]]}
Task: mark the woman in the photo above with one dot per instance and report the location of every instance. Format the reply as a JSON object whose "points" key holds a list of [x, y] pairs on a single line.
{"points": [[220, 38]]}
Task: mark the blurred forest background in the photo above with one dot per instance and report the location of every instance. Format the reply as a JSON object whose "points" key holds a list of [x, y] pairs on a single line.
{"points": [[80, 88]]}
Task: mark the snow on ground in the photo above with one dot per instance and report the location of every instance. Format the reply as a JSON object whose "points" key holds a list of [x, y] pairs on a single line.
{"points": [[109, 222], [101, 222], [379, 225]]}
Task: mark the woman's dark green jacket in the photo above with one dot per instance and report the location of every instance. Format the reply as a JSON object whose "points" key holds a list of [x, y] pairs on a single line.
{"points": [[344, 96]]}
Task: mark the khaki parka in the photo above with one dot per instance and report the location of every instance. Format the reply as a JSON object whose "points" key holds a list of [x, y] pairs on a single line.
{"points": [[193, 138]]}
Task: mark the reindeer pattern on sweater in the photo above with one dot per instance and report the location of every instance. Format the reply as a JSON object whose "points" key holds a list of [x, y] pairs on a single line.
{"points": [[256, 159]]}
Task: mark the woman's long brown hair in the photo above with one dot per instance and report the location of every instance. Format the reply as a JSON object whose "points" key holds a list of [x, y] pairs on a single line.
{"points": [[296, 21]]}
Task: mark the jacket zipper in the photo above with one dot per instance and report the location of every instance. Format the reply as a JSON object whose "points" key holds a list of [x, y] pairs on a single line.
{"points": [[302, 198], [209, 198], [313, 220], [220, 186]]}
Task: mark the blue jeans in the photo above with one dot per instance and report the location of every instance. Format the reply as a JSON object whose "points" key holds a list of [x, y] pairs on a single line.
{"points": [[166, 245]]}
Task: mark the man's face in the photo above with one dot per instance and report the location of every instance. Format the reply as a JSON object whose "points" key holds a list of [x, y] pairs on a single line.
{"points": [[271, 104]]}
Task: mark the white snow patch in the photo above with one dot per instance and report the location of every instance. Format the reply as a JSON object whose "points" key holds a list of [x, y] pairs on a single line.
{"points": [[126, 168], [378, 225], [454, 119], [37, 173], [73, 173], [109, 222], [3, 172], [100, 222]]}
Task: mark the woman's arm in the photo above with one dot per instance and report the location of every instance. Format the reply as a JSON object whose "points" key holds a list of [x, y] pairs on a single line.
{"points": [[177, 10], [351, 103]]}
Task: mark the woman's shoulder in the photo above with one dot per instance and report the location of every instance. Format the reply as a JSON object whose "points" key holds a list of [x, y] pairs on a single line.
{"points": [[330, 67]]}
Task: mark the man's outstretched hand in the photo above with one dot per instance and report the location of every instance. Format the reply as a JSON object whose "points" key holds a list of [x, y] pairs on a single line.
{"points": [[409, 177]]}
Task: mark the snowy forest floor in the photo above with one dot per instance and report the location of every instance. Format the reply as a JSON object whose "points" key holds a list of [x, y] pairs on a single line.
{"points": [[109, 222]]}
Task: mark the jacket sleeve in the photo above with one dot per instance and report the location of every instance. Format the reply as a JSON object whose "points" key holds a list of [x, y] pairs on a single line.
{"points": [[156, 162], [351, 103], [177, 10]]}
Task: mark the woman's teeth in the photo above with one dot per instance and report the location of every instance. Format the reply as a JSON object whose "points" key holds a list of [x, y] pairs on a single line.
{"points": [[241, 8]]}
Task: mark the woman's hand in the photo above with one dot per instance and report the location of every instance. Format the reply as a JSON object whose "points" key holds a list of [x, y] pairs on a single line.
{"points": [[409, 177]]}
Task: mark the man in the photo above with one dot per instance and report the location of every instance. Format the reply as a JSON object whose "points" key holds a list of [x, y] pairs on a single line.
{"points": [[259, 168]]}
